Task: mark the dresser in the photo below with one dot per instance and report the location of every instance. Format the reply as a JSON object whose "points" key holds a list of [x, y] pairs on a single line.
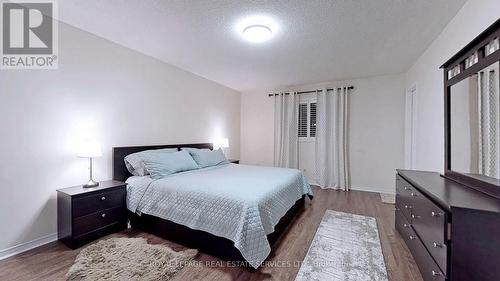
{"points": [[85, 214], [452, 230]]}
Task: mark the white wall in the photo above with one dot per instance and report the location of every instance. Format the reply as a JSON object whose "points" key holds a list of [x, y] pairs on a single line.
{"points": [[474, 17], [376, 130], [121, 96]]}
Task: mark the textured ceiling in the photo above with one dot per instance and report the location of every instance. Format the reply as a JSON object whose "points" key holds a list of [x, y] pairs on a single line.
{"points": [[316, 41]]}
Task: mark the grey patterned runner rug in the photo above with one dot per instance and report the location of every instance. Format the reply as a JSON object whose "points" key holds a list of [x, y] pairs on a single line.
{"points": [[346, 247]]}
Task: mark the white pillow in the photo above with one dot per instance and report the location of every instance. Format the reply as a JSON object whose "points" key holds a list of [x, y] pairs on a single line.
{"points": [[135, 165]]}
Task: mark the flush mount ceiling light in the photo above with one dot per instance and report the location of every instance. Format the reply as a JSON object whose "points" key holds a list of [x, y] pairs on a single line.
{"points": [[257, 28], [257, 33]]}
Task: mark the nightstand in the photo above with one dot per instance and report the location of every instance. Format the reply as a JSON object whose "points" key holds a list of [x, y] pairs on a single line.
{"points": [[85, 214], [234, 161]]}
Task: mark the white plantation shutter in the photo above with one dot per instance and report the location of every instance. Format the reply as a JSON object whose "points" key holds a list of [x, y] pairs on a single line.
{"points": [[312, 120], [306, 122], [302, 123]]}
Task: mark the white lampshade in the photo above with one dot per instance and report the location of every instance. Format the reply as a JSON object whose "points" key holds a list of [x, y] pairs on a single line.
{"points": [[221, 143], [89, 149]]}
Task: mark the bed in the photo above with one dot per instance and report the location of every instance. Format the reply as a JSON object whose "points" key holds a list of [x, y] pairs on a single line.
{"points": [[235, 212]]}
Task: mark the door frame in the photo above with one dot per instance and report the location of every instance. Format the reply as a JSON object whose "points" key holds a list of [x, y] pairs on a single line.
{"points": [[411, 122]]}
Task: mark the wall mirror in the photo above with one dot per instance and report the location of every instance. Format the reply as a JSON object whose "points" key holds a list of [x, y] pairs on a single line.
{"points": [[475, 125], [472, 113]]}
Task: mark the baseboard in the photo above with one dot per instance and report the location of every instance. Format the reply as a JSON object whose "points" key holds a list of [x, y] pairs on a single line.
{"points": [[23, 247], [367, 189], [374, 189]]}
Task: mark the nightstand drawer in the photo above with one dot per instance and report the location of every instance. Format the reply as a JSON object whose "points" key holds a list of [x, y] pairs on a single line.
{"points": [[92, 222], [98, 202]]}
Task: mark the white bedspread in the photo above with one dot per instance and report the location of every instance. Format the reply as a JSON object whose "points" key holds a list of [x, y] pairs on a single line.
{"points": [[239, 202]]}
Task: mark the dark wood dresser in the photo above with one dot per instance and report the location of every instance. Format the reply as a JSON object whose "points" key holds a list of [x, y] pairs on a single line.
{"points": [[452, 230], [85, 214]]}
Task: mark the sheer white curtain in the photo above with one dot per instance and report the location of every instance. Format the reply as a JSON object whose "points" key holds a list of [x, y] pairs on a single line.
{"points": [[489, 124], [332, 159], [285, 131]]}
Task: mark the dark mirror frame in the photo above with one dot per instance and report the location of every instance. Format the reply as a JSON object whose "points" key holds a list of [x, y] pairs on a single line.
{"points": [[478, 44]]}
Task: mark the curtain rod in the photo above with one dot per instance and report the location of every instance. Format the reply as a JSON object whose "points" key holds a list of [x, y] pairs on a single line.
{"points": [[314, 91]]}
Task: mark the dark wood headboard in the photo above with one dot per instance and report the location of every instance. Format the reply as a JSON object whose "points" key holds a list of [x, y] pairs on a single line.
{"points": [[120, 172]]}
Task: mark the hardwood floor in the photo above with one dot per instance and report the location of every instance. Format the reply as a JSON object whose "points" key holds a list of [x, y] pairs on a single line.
{"points": [[51, 261]]}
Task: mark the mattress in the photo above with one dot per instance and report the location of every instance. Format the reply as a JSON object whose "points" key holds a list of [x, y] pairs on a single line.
{"points": [[242, 203]]}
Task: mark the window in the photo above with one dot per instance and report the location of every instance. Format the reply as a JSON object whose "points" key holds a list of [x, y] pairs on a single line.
{"points": [[306, 126]]}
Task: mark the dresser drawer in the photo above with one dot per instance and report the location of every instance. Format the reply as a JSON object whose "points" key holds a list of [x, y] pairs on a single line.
{"points": [[95, 221], [98, 202], [403, 196], [428, 219], [405, 206], [428, 268], [430, 223], [402, 224]]}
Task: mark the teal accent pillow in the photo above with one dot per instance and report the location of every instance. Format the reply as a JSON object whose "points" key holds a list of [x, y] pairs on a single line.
{"points": [[207, 158], [160, 165], [136, 166]]}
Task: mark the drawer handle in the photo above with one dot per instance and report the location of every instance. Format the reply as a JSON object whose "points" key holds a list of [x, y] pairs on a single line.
{"points": [[103, 215], [406, 225], [407, 188], [436, 273], [103, 198], [437, 245], [415, 217], [435, 214], [413, 194], [408, 207], [412, 237]]}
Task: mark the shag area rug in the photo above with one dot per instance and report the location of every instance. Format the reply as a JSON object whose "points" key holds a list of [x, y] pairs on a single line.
{"points": [[346, 247], [128, 259]]}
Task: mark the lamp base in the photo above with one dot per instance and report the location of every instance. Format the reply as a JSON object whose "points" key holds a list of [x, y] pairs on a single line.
{"points": [[90, 184]]}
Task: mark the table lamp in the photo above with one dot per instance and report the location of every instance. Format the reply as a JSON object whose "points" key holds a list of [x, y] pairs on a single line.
{"points": [[221, 143], [90, 149]]}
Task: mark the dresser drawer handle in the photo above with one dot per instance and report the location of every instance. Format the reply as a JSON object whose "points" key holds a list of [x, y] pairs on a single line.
{"points": [[435, 214], [412, 237], [436, 273], [413, 194], [103, 215], [437, 245], [408, 207], [407, 188], [406, 225], [415, 217], [103, 198]]}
